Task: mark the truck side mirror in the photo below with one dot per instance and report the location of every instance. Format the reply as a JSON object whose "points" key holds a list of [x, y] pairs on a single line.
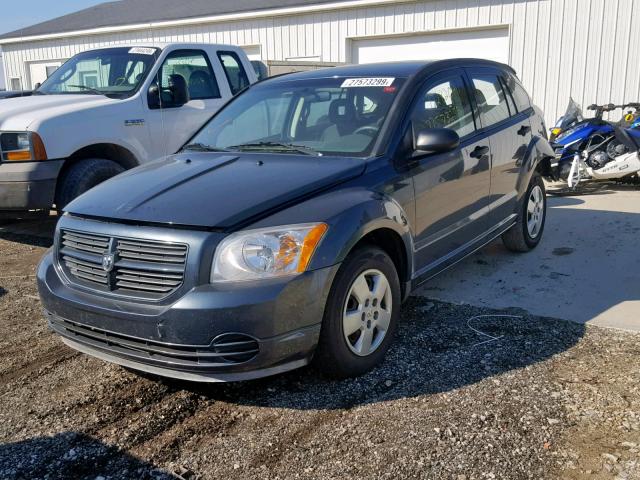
{"points": [[436, 140], [179, 90], [153, 96]]}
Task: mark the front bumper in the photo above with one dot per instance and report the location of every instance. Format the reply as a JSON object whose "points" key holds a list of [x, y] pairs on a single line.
{"points": [[181, 338], [28, 185]]}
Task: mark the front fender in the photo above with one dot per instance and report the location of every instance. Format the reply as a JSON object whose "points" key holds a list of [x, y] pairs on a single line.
{"points": [[539, 154], [351, 214]]}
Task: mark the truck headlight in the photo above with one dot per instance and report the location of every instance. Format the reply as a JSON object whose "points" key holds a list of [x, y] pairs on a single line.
{"points": [[21, 147], [266, 253]]}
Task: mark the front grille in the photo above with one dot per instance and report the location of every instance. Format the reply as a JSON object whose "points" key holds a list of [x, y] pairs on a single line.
{"points": [[226, 349], [124, 266]]}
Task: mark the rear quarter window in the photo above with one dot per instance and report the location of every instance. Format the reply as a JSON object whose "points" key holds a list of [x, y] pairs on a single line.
{"points": [[519, 94]]}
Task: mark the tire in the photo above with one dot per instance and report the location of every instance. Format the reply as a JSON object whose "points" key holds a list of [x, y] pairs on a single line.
{"points": [[521, 237], [83, 176], [337, 355]]}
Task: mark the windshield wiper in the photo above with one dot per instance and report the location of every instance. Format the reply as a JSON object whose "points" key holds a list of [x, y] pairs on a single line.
{"points": [[201, 147], [287, 147], [88, 89]]}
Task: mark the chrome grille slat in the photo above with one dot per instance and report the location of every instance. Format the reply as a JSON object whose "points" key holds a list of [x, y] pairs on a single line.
{"points": [[140, 286], [140, 268], [146, 257]]}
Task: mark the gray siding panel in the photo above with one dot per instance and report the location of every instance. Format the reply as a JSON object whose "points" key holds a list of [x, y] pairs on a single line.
{"points": [[560, 48]]}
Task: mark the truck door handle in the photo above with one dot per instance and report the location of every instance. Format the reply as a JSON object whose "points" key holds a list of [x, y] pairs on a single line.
{"points": [[524, 130], [479, 152]]}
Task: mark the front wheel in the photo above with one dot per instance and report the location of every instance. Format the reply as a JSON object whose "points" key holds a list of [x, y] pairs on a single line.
{"points": [[83, 176], [527, 232], [361, 314]]}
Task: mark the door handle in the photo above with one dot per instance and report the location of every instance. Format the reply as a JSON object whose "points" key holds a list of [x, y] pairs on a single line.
{"points": [[524, 130], [479, 152]]}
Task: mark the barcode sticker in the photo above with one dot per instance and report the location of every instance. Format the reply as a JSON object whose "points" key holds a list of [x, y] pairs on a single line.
{"points": [[142, 51], [368, 82]]}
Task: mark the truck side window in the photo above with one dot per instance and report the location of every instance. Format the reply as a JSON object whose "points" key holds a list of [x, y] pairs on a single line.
{"points": [[194, 67], [444, 105], [234, 71]]}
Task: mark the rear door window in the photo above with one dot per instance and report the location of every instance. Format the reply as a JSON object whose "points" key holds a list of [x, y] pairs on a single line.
{"points": [[235, 72], [490, 99]]}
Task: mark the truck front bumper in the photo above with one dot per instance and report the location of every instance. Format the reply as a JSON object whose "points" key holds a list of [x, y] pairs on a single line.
{"points": [[28, 185]]}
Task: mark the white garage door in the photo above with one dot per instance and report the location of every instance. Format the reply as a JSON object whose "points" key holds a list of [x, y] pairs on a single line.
{"points": [[489, 44], [41, 71]]}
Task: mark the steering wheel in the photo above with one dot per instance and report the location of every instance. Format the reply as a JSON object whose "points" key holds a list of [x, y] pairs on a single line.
{"points": [[367, 130], [120, 81]]}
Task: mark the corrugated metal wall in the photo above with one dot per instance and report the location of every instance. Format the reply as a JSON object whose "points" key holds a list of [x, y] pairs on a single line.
{"points": [[560, 48]]}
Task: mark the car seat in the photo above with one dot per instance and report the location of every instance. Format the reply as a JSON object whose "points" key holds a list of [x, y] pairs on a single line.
{"points": [[201, 85], [342, 115]]}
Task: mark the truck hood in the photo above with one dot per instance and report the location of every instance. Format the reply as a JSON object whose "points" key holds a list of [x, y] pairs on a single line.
{"points": [[18, 114], [213, 190]]}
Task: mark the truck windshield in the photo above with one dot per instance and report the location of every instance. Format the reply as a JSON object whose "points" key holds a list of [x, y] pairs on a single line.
{"points": [[330, 116], [114, 72]]}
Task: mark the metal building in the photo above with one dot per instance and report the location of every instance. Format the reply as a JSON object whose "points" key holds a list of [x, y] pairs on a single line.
{"points": [[560, 48]]}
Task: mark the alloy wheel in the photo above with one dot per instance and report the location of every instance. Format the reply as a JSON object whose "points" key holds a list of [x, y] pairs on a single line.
{"points": [[535, 211], [367, 312]]}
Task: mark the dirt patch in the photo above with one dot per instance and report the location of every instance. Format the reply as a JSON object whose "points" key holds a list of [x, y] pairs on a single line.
{"points": [[544, 399]]}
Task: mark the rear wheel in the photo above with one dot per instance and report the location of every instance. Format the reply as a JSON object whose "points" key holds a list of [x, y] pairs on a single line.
{"points": [[361, 315], [83, 176], [527, 232]]}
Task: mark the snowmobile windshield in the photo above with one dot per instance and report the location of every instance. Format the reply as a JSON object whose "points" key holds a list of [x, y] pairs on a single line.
{"points": [[572, 115]]}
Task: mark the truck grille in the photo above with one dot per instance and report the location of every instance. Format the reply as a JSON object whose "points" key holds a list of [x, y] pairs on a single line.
{"points": [[140, 268]]}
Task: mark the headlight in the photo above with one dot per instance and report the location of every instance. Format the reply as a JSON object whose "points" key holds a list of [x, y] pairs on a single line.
{"points": [[266, 253], [21, 147]]}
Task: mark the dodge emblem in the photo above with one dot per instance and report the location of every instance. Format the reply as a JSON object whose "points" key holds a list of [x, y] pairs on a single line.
{"points": [[107, 262]]}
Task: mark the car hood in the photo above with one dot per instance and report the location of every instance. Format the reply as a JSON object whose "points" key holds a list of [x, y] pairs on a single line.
{"points": [[17, 114], [213, 190]]}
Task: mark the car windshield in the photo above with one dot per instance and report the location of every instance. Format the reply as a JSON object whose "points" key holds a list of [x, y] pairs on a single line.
{"points": [[114, 72], [331, 116]]}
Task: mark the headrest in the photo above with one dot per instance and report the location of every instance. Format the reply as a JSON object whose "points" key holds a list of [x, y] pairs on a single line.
{"points": [[342, 111], [480, 98], [200, 76]]}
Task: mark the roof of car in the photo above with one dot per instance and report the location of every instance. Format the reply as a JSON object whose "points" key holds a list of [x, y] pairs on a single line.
{"points": [[390, 69]]}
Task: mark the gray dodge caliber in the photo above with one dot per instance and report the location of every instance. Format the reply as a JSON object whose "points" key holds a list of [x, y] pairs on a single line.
{"points": [[292, 226]]}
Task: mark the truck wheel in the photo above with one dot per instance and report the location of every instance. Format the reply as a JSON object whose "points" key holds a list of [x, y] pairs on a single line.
{"points": [[361, 315], [527, 232], [83, 176]]}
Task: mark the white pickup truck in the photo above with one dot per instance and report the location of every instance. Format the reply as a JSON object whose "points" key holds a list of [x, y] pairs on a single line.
{"points": [[108, 110]]}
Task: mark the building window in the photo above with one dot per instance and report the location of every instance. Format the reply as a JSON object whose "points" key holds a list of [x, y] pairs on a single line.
{"points": [[50, 69], [15, 84]]}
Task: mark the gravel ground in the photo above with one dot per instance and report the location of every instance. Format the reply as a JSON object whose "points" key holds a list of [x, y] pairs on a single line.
{"points": [[545, 399]]}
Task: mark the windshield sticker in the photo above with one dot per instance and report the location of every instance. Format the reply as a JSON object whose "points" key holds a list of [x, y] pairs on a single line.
{"points": [[142, 51], [367, 82]]}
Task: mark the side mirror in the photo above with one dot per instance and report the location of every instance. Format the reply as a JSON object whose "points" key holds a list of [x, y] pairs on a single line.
{"points": [[436, 140], [179, 90], [153, 96]]}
